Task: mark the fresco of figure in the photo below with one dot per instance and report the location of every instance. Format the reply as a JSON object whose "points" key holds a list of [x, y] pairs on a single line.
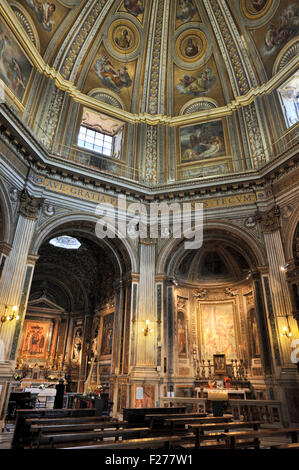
{"points": [[197, 85], [113, 79], [135, 7], [278, 33], [44, 13], [186, 10]]}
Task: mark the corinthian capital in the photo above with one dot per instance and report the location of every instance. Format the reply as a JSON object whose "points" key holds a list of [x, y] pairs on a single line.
{"points": [[29, 205], [270, 221]]}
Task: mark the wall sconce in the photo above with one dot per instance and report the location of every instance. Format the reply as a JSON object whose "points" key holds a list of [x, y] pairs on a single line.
{"points": [[146, 330], [284, 268], [286, 332], [10, 316]]}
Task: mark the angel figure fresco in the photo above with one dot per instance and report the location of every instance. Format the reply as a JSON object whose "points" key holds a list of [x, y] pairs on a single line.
{"points": [[134, 6], [278, 34], [44, 12], [113, 79], [196, 86], [186, 10]]}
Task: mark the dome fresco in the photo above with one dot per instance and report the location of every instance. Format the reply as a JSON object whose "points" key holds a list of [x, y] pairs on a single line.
{"points": [[192, 66]]}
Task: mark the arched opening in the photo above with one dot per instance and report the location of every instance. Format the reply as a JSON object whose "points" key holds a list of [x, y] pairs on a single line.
{"points": [[215, 314], [75, 313]]}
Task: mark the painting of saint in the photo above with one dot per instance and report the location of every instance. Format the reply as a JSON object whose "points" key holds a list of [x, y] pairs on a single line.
{"points": [[113, 79], [191, 49], [278, 34], [44, 12], [107, 335], [123, 39], [15, 69], [35, 339], [182, 335], [185, 11], [135, 7], [219, 364], [202, 141], [197, 85], [218, 330]]}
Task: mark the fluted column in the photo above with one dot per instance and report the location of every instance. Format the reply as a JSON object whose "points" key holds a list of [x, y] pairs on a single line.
{"points": [[146, 345], [143, 348], [282, 304], [13, 288]]}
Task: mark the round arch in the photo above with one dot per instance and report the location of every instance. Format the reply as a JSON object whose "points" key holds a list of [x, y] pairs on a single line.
{"points": [[255, 248], [290, 233], [54, 224], [7, 214]]}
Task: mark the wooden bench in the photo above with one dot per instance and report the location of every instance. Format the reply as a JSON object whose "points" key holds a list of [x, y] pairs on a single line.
{"points": [[100, 425], [157, 420], [56, 440], [232, 437], [166, 442], [71, 420], [22, 435], [200, 429], [182, 422], [294, 445]]}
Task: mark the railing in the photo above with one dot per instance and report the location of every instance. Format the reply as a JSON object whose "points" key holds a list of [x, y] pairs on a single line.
{"points": [[194, 171], [268, 411]]}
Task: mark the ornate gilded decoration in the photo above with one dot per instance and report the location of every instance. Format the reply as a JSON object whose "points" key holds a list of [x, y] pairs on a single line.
{"points": [[200, 294]]}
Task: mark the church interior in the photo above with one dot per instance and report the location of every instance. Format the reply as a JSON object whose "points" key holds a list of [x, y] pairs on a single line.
{"points": [[111, 110]]}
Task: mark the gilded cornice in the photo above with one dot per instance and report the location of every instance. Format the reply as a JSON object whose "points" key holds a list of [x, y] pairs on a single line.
{"points": [[68, 86]]}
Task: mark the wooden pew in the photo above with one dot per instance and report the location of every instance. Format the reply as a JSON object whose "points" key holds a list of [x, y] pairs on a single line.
{"points": [[55, 428], [136, 416], [157, 420], [294, 445], [71, 420], [181, 422], [232, 437], [22, 434], [166, 442], [57, 440], [199, 429]]}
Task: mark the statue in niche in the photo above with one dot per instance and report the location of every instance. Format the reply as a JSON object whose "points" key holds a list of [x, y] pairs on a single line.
{"points": [[182, 335]]}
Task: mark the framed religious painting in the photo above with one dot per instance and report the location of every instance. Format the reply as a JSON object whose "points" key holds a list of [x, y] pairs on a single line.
{"points": [[219, 364], [36, 339]]}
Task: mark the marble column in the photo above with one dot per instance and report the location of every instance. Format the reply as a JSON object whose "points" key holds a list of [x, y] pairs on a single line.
{"points": [[14, 289], [15, 269], [145, 357], [280, 294]]}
